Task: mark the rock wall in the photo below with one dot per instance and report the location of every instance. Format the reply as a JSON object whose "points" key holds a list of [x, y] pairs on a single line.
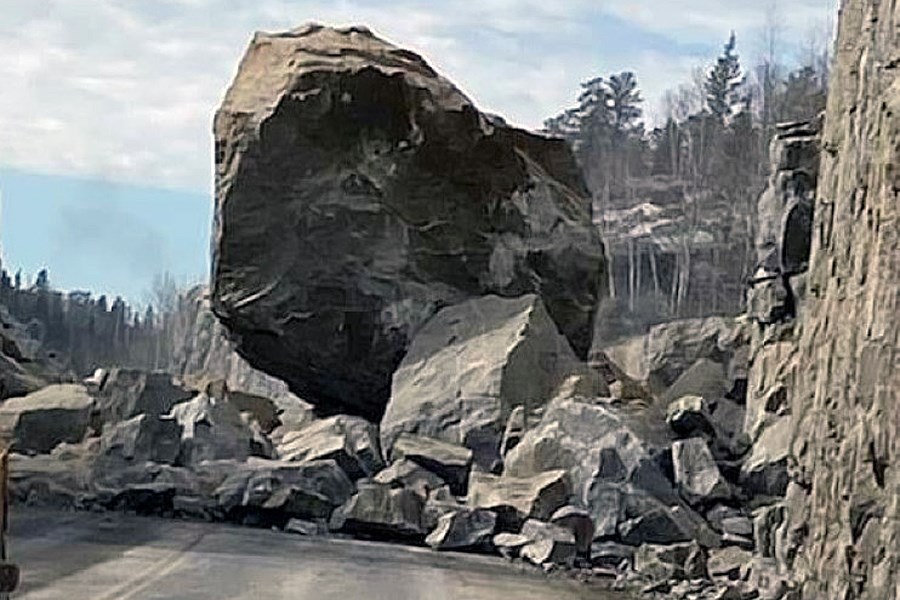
{"points": [[846, 439], [824, 380], [778, 287]]}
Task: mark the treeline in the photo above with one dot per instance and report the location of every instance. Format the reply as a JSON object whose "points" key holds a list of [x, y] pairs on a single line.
{"points": [[701, 167], [717, 127]]}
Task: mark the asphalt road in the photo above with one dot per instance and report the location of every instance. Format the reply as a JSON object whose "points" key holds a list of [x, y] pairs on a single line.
{"points": [[84, 556]]}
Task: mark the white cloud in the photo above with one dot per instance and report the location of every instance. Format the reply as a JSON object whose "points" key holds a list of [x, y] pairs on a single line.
{"points": [[125, 89], [687, 18]]}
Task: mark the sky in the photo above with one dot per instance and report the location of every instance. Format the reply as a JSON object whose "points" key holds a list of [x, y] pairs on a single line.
{"points": [[106, 106]]}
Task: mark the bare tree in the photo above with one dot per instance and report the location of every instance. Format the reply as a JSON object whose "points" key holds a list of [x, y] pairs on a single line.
{"points": [[164, 292]]}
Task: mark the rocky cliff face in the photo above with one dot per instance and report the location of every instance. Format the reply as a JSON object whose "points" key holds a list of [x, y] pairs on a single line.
{"points": [[845, 495], [358, 192], [778, 287], [823, 385]]}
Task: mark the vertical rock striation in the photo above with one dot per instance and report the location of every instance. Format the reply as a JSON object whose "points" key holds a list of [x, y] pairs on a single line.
{"points": [[842, 363]]}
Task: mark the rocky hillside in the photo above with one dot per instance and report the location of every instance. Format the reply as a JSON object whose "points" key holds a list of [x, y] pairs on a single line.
{"points": [[199, 350]]}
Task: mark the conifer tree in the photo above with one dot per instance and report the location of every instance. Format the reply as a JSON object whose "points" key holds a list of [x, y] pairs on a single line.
{"points": [[724, 82]]}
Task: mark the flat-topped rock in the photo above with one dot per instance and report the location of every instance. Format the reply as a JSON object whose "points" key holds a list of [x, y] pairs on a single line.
{"points": [[40, 421], [358, 192]]}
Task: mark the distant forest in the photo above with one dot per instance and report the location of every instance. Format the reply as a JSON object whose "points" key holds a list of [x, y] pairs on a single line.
{"points": [[701, 169], [717, 126]]}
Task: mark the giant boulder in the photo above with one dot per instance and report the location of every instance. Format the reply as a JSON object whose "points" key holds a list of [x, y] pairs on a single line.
{"points": [[40, 421], [358, 192]]}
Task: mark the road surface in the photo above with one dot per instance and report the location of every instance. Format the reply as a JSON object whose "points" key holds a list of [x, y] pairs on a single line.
{"points": [[85, 556]]}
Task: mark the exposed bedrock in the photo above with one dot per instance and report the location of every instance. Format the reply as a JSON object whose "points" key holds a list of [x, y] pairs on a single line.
{"points": [[844, 495], [358, 192]]}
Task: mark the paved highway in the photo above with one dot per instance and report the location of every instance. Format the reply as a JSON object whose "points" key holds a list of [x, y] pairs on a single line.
{"points": [[84, 556]]}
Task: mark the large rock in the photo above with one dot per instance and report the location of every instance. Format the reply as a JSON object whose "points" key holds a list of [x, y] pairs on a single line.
{"points": [[689, 415], [40, 421], [448, 461], [516, 499], [127, 393], [283, 490], [407, 474], [463, 528], [596, 445], [141, 439], [381, 511], [606, 501], [727, 562], [670, 349], [351, 441], [647, 519], [696, 474], [357, 192], [510, 544], [550, 544], [264, 411], [470, 366], [674, 561], [48, 479], [111, 475], [612, 555], [145, 499], [438, 503], [213, 429], [580, 522], [705, 378]]}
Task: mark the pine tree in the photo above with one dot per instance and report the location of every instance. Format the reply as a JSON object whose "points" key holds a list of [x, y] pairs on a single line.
{"points": [[724, 82], [42, 282], [604, 129], [623, 99]]}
